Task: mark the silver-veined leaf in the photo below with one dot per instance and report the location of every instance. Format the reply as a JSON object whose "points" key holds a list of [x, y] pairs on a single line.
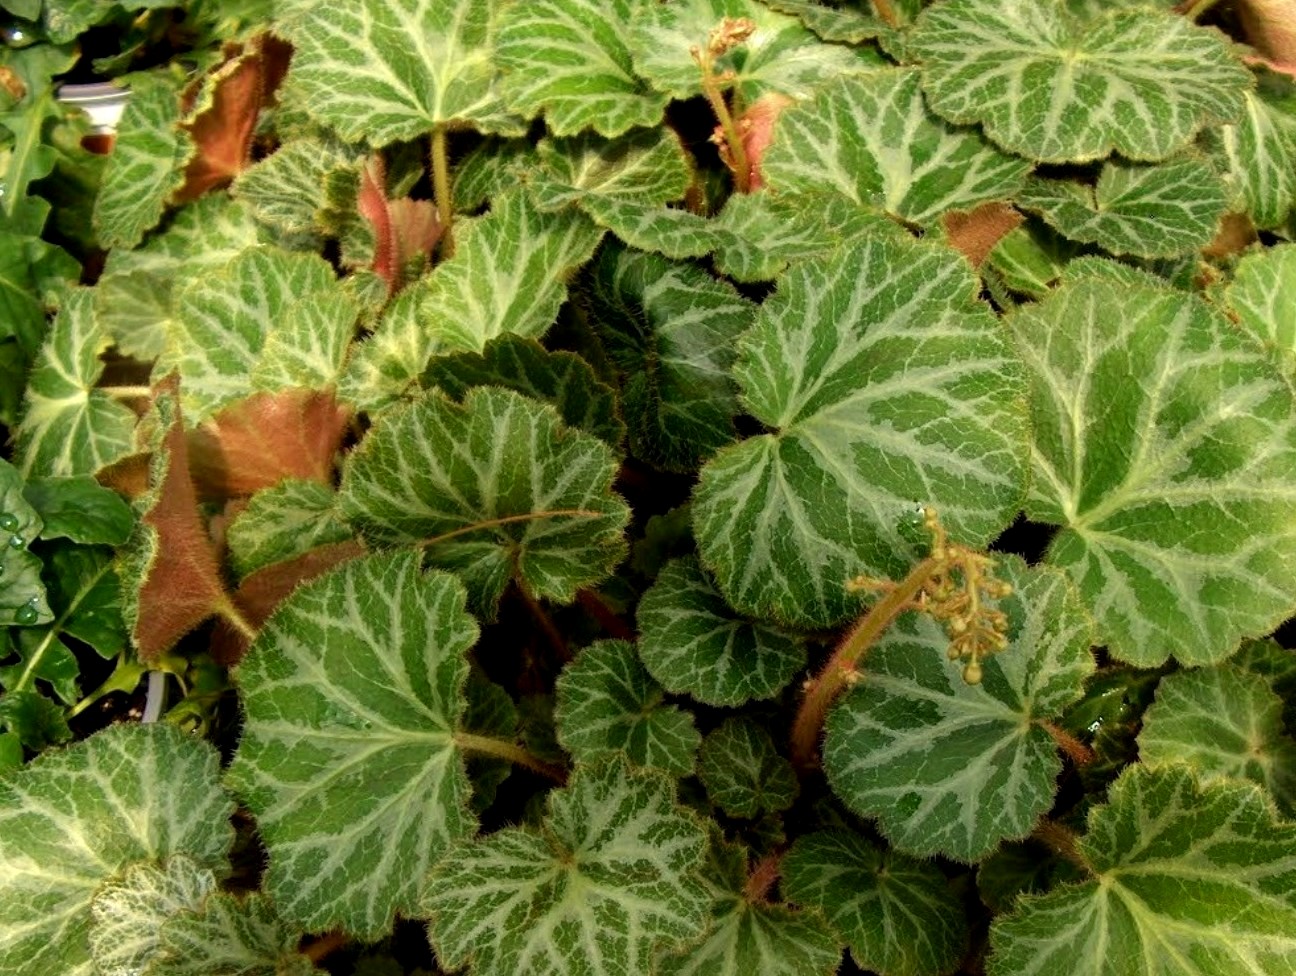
{"points": [[645, 167], [229, 936], [1262, 296], [1187, 880], [570, 59], [835, 22], [282, 522], [1142, 210], [308, 342], [607, 702], [352, 694], [952, 768], [494, 489], [286, 189], [1257, 154], [609, 882], [78, 817], [884, 381], [693, 643], [899, 915], [1059, 89], [742, 770], [1163, 445]]}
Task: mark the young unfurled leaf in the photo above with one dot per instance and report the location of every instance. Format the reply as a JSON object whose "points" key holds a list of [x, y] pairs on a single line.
{"points": [[871, 140], [560, 378], [1059, 89], [68, 427], [404, 230], [229, 937], [569, 59], [609, 882], [386, 365], [284, 521], [672, 329], [495, 489], [955, 768], [1164, 446], [355, 70], [749, 935], [22, 594], [352, 694], [1146, 211], [644, 167], [883, 380], [74, 819], [1262, 296], [780, 55], [694, 644], [1200, 875], [743, 772], [1222, 721], [898, 914], [607, 702], [127, 911], [146, 165]]}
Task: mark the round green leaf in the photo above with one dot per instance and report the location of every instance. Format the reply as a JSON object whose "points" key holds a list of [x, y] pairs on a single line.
{"points": [[495, 489], [607, 702], [76, 818], [898, 914], [1060, 89], [352, 694], [743, 772], [952, 768], [1262, 295], [1188, 880], [884, 381], [1164, 447], [694, 644]]}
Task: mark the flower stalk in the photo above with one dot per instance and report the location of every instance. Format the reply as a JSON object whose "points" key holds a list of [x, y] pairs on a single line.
{"points": [[731, 32]]}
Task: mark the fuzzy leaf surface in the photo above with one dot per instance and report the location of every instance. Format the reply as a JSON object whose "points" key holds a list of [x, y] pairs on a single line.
{"points": [[693, 643], [75, 818], [229, 937], [607, 702], [642, 168], [286, 189], [1145, 211], [608, 880], [495, 488], [1262, 295], [884, 380], [898, 914], [954, 768], [284, 521], [743, 772], [1257, 156], [1189, 880], [352, 693], [870, 139], [1164, 446], [1060, 89]]}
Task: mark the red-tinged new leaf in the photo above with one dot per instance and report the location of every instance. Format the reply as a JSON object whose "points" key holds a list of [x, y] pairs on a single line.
{"points": [[402, 228], [975, 233]]}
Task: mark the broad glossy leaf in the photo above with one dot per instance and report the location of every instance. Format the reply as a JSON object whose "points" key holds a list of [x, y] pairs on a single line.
{"points": [[1059, 89], [33, 722], [385, 70], [569, 59], [898, 914], [870, 139], [286, 189], [743, 772], [608, 882], [749, 935], [955, 768], [1189, 880], [508, 274], [1257, 156], [672, 329], [68, 427], [229, 937], [1262, 297], [644, 167], [75, 818], [352, 693], [128, 910], [284, 521], [85, 593], [80, 509], [145, 166], [1222, 721], [1141, 210], [884, 381], [560, 378], [780, 56], [693, 643], [607, 702], [495, 488], [224, 319], [22, 593], [1164, 446]]}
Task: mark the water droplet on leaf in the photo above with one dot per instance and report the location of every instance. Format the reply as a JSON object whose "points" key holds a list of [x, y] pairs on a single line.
{"points": [[8, 521], [16, 542], [26, 614]]}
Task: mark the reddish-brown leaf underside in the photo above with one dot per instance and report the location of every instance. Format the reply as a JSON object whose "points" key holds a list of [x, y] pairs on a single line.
{"points": [[976, 232]]}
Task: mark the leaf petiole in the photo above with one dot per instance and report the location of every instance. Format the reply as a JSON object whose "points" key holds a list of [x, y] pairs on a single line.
{"points": [[512, 752]]}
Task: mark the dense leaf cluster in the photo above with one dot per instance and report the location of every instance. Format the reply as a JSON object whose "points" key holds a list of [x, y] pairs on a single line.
{"points": [[619, 487]]}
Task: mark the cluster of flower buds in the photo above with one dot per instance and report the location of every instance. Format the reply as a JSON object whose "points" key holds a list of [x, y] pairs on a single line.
{"points": [[955, 592]]}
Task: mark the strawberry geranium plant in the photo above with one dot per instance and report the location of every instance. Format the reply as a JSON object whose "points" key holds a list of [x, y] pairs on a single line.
{"points": [[627, 487]]}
